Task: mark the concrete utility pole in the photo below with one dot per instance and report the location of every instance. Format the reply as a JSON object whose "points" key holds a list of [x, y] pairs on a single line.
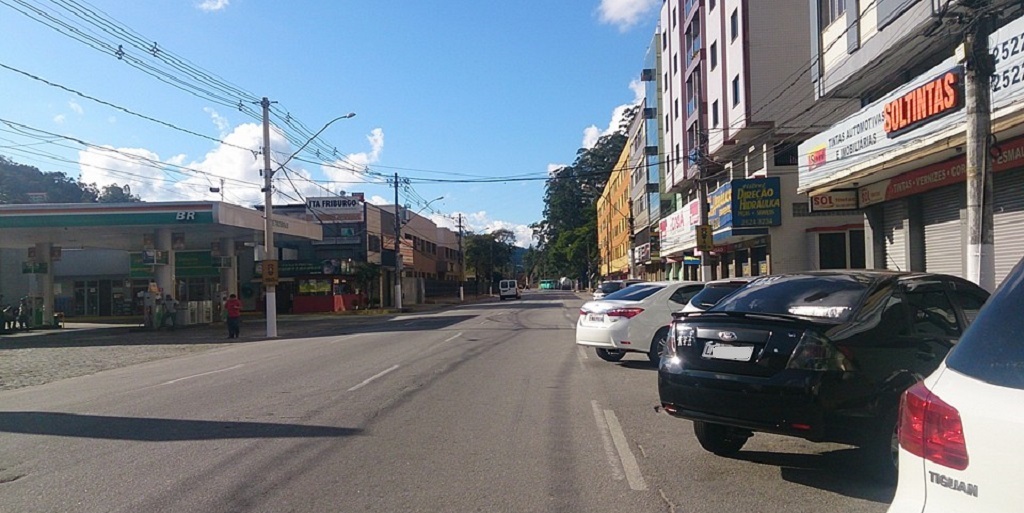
{"points": [[398, 249], [269, 252], [979, 68], [462, 264]]}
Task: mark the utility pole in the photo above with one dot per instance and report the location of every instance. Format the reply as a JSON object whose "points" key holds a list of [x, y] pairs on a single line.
{"points": [[977, 83], [632, 241], [702, 200], [269, 252], [462, 264], [398, 249]]}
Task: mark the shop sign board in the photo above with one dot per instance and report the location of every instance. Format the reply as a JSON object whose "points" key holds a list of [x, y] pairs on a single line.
{"points": [[676, 231], [294, 268], [941, 174], [336, 209], [746, 203], [30, 267], [927, 105], [845, 199], [187, 264]]}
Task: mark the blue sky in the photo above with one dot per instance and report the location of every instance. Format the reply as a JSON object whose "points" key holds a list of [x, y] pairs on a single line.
{"points": [[443, 90]]}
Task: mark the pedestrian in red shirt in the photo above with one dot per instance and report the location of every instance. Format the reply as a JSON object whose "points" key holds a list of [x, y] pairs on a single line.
{"points": [[233, 306]]}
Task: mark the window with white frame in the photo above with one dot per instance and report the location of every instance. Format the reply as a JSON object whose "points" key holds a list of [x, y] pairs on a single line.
{"points": [[831, 10]]}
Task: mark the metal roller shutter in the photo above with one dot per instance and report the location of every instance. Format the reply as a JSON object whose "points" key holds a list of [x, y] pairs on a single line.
{"points": [[895, 236], [943, 229], [1009, 221]]}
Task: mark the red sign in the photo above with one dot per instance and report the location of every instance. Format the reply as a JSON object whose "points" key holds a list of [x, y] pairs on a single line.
{"points": [[949, 172], [924, 103], [816, 158]]}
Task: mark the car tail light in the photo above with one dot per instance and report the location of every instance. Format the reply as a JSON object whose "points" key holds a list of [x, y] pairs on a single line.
{"points": [[582, 312], [817, 353], [932, 429], [678, 335], [628, 313]]}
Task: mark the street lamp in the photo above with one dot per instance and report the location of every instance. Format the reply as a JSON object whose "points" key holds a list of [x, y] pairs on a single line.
{"points": [[268, 225]]}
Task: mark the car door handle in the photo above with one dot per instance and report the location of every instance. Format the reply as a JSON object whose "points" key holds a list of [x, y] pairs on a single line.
{"points": [[925, 355]]}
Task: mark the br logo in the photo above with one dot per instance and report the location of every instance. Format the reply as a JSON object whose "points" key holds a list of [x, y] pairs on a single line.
{"points": [[185, 216]]}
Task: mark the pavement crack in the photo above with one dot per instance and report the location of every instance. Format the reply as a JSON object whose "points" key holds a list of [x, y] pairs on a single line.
{"points": [[670, 504], [10, 478]]}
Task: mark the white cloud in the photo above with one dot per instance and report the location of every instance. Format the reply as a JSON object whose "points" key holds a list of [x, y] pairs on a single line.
{"points": [[625, 13], [352, 168], [156, 180], [378, 200], [639, 90], [76, 107], [592, 133], [480, 222], [59, 119], [220, 121], [126, 166], [213, 5]]}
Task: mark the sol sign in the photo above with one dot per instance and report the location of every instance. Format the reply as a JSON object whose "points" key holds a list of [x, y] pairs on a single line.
{"points": [[924, 103], [834, 200]]}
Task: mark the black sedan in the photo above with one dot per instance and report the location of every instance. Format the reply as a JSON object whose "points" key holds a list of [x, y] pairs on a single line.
{"points": [[823, 356]]}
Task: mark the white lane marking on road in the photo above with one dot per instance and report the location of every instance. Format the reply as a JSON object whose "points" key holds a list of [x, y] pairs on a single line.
{"points": [[629, 464], [453, 337], [583, 356], [606, 440], [371, 378], [233, 367]]}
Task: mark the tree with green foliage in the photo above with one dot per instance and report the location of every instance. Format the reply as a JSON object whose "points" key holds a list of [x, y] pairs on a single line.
{"points": [[20, 183], [567, 236], [489, 255]]}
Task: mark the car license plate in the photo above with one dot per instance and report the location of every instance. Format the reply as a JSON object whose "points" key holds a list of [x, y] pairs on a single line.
{"points": [[727, 352], [595, 317]]}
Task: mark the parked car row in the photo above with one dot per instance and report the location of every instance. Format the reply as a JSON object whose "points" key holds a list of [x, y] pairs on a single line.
{"points": [[854, 357]]}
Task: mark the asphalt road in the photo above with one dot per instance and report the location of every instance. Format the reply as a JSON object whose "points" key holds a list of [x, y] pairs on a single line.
{"points": [[486, 407]]}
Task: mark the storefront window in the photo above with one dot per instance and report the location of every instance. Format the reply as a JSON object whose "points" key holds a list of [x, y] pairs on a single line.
{"points": [[832, 250], [315, 287]]}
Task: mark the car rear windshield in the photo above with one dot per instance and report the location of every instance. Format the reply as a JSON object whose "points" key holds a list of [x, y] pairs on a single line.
{"points": [[610, 286], [635, 292], [713, 293], [992, 348], [828, 297]]}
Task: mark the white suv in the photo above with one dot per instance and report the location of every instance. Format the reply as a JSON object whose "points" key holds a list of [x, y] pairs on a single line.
{"points": [[961, 430]]}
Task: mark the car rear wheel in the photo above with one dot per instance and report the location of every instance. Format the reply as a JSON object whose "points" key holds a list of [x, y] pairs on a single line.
{"points": [[610, 355], [719, 439], [657, 345]]}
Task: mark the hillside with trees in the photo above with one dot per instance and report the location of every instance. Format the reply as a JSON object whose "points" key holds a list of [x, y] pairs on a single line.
{"points": [[20, 183]]}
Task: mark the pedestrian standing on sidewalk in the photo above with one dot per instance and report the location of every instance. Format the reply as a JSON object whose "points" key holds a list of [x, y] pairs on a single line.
{"points": [[170, 311], [233, 307]]}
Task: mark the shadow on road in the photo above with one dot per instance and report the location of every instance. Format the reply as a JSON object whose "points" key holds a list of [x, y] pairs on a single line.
{"points": [[156, 430], [253, 330], [644, 364], [849, 472]]}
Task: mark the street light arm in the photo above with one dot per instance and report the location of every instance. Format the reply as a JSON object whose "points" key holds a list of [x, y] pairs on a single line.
{"points": [[329, 123]]}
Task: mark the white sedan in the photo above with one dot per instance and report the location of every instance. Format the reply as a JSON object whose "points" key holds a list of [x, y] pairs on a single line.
{"points": [[634, 319]]}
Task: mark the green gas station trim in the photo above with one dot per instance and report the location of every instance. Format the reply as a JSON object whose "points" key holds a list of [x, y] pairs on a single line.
{"points": [[86, 219]]}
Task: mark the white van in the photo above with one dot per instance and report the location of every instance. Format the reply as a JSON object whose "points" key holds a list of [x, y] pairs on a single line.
{"points": [[508, 289]]}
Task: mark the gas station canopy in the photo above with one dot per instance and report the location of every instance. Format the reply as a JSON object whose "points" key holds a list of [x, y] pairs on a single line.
{"points": [[124, 226]]}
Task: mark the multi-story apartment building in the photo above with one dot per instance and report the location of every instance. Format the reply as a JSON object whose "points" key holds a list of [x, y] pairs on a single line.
{"points": [[741, 136], [644, 163], [900, 161], [614, 237], [683, 114]]}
